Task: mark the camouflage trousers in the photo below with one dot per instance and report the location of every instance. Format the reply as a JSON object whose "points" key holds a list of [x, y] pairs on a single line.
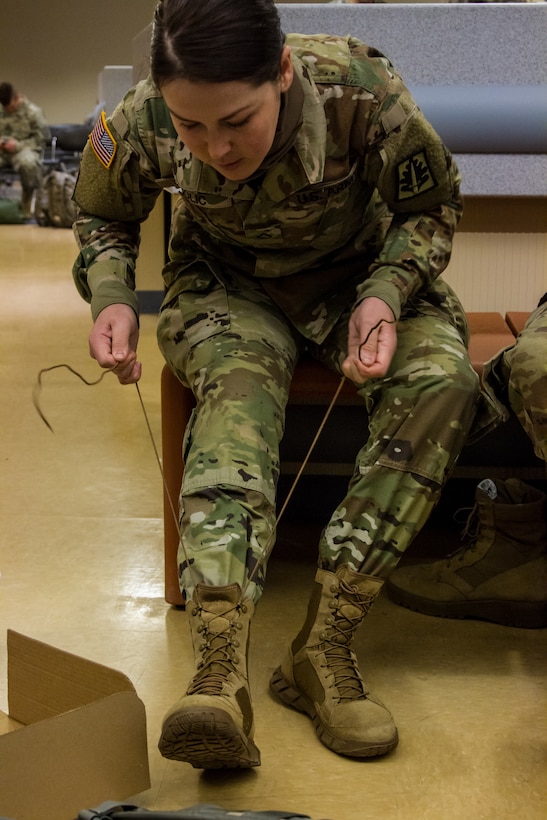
{"points": [[517, 376], [28, 165], [237, 351]]}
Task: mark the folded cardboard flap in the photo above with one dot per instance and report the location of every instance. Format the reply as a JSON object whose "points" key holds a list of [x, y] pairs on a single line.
{"points": [[44, 681], [76, 735]]}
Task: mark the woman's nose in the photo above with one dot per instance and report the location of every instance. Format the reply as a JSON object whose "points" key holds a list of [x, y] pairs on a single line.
{"points": [[218, 145]]}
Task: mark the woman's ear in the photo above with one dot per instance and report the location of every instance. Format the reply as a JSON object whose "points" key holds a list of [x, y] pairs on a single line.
{"points": [[286, 70]]}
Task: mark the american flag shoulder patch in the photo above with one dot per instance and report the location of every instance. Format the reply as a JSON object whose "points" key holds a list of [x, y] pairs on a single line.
{"points": [[103, 143]]}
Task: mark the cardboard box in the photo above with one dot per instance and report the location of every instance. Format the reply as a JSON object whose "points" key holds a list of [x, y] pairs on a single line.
{"points": [[74, 737]]}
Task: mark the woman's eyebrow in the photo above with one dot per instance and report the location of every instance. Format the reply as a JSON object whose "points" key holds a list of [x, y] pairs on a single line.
{"points": [[223, 119]]}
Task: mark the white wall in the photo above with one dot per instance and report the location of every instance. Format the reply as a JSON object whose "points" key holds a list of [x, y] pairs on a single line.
{"points": [[54, 50]]}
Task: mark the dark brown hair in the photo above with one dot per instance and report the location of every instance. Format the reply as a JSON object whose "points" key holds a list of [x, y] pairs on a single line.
{"points": [[7, 93], [216, 41]]}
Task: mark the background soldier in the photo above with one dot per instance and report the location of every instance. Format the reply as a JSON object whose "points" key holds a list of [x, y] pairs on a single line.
{"points": [[501, 575], [23, 136]]}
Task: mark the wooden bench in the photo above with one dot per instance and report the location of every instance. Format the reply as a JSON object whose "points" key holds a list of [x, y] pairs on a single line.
{"points": [[313, 386], [515, 320], [488, 333]]}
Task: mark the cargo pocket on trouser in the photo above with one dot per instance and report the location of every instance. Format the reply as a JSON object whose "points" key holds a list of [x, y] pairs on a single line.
{"points": [[419, 417], [198, 312], [241, 380]]}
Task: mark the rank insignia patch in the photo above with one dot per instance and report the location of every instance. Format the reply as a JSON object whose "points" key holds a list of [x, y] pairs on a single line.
{"points": [[103, 143], [414, 177]]}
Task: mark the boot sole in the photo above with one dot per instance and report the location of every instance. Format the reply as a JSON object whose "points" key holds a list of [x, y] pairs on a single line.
{"points": [[207, 739], [521, 614], [292, 697]]}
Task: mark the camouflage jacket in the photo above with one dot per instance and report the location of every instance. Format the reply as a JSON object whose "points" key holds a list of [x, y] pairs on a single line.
{"points": [[27, 125], [364, 202]]}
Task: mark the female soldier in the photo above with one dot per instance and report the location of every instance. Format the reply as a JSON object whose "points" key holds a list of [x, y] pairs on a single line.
{"points": [[317, 208]]}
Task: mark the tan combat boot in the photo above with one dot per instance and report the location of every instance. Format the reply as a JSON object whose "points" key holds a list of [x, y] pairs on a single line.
{"points": [[501, 576], [320, 675], [212, 725]]}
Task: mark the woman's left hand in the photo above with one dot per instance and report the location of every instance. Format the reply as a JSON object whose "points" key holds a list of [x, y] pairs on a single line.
{"points": [[372, 341]]}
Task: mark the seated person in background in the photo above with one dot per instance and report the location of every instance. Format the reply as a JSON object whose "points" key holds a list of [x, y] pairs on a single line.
{"points": [[502, 575], [23, 136], [518, 375]]}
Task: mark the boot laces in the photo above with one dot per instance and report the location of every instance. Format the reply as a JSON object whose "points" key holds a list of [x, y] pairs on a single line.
{"points": [[469, 534], [218, 657], [340, 658]]}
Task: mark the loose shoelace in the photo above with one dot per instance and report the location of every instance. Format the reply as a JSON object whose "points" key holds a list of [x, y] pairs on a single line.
{"points": [[36, 395]]}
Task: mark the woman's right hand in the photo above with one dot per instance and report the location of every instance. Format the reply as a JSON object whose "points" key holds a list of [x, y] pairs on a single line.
{"points": [[113, 342]]}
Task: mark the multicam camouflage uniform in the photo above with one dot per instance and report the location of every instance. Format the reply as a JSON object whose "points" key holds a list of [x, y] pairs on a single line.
{"points": [[27, 125], [363, 202], [517, 376]]}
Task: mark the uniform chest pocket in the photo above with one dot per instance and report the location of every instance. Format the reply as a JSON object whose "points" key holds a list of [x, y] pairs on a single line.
{"points": [[220, 216], [324, 215]]}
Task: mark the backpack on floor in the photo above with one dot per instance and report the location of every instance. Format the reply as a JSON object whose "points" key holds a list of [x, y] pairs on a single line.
{"points": [[10, 214], [54, 207], [203, 811]]}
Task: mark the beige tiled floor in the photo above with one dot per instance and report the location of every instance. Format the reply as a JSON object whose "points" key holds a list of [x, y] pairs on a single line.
{"points": [[81, 567]]}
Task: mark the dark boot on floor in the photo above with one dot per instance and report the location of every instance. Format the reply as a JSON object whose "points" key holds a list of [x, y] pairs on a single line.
{"points": [[320, 675], [501, 576]]}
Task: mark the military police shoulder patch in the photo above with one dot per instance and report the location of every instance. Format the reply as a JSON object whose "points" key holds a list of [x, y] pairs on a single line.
{"points": [[103, 143], [414, 176]]}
